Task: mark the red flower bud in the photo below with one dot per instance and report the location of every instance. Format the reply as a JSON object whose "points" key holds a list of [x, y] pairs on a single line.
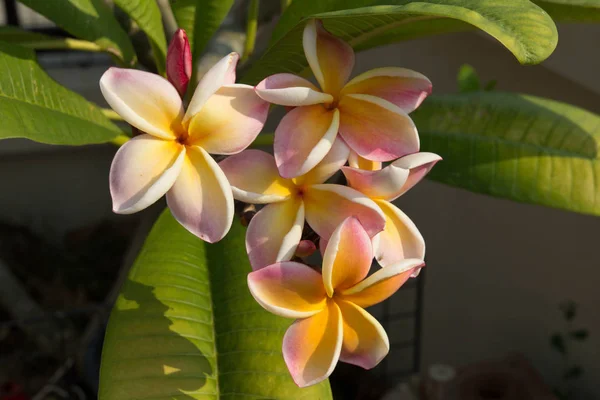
{"points": [[179, 61]]}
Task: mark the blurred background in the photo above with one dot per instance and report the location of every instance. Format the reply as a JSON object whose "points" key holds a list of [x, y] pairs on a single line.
{"points": [[502, 278]]}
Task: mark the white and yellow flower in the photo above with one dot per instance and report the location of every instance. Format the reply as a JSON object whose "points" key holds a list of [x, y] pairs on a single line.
{"points": [[172, 156], [400, 238], [331, 321], [274, 232], [370, 112]]}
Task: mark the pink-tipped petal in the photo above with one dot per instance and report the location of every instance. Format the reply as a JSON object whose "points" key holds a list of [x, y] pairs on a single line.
{"points": [[222, 73], [328, 205], [229, 121], [399, 239], [348, 256], [288, 289], [356, 161], [365, 341], [179, 61], [403, 87], [382, 284], [201, 198], [376, 129], [291, 90], [303, 138], [329, 165], [379, 184], [311, 346], [146, 101], [143, 170], [330, 58], [254, 177], [418, 165], [274, 233]]}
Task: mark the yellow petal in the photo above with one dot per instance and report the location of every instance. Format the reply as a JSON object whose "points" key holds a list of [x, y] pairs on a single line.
{"points": [[201, 198], [229, 120], [356, 161], [382, 284], [288, 289], [365, 341], [348, 256], [311, 346]]}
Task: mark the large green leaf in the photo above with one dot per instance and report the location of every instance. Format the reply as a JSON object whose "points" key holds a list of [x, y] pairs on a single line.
{"points": [[571, 10], [200, 19], [525, 29], [147, 15], [14, 35], [186, 327], [34, 106], [515, 146], [90, 20]]}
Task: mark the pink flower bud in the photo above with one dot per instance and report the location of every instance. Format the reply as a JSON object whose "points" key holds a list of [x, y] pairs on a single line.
{"points": [[305, 248], [179, 61]]}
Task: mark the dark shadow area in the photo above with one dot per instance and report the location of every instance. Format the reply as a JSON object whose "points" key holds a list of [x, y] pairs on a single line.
{"points": [[143, 357]]}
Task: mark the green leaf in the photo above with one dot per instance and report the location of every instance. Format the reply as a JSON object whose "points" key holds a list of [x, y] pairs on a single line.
{"points": [[558, 343], [146, 15], [580, 334], [35, 107], [525, 29], [90, 20], [200, 19], [519, 147], [186, 327], [571, 10], [14, 35], [467, 78]]}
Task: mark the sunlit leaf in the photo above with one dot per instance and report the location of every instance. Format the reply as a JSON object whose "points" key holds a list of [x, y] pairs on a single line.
{"points": [[35, 107], [186, 327]]}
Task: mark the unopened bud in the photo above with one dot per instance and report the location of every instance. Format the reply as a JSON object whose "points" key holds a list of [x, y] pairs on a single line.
{"points": [[179, 61]]}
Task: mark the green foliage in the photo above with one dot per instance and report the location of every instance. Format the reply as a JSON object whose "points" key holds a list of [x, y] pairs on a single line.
{"points": [[571, 10], [37, 108], [147, 15], [515, 146], [525, 29], [200, 19], [90, 20], [14, 35], [468, 80], [186, 327]]}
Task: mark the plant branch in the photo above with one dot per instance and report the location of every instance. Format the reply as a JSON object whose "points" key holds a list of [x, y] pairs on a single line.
{"points": [[251, 27], [66, 43], [169, 21], [110, 114], [120, 140]]}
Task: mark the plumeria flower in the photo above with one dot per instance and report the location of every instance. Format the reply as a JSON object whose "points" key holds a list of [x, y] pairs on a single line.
{"points": [[400, 238], [370, 111], [331, 321], [274, 232], [172, 155]]}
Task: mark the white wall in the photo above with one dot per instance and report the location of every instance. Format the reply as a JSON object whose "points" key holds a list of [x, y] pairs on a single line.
{"points": [[496, 269]]}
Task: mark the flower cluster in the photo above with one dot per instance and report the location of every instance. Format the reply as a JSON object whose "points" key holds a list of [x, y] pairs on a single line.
{"points": [[362, 122]]}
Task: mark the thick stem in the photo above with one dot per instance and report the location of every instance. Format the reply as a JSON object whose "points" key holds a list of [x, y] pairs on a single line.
{"points": [[66, 43], [169, 21], [251, 27]]}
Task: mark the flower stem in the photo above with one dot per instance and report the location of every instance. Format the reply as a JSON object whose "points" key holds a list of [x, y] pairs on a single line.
{"points": [[251, 27], [263, 140], [110, 114], [120, 140], [64, 43]]}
